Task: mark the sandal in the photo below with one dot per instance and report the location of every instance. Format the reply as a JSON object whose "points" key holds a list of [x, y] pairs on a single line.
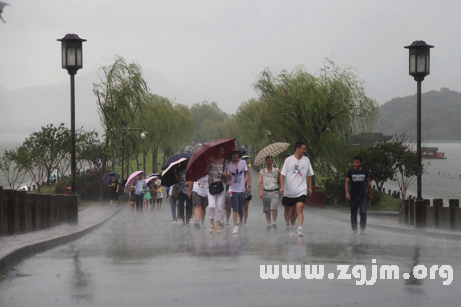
{"points": [[362, 232]]}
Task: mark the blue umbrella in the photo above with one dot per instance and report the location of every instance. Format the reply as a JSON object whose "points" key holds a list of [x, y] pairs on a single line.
{"points": [[174, 158], [106, 177]]}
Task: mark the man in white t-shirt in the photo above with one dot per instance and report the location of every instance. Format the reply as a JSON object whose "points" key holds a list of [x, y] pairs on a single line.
{"points": [[236, 180], [296, 169]]}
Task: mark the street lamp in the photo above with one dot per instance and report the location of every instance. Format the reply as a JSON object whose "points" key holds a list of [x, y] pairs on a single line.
{"points": [[71, 51], [419, 63]]}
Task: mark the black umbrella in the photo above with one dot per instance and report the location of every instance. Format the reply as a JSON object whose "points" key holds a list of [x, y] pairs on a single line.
{"points": [[174, 158], [169, 176], [106, 177]]}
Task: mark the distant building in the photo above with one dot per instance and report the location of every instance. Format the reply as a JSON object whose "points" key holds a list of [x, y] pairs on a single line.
{"points": [[369, 139]]}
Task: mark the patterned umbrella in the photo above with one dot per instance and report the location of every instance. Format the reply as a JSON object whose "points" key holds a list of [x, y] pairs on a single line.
{"points": [[270, 150]]}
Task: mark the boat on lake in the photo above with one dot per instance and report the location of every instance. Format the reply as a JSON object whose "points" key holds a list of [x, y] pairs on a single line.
{"points": [[432, 153]]}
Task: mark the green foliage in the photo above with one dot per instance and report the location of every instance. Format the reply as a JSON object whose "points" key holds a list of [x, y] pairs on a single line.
{"points": [[168, 125], [62, 184], [91, 191], [440, 113], [121, 95], [386, 161], [251, 123], [81, 181], [46, 149], [334, 189], [210, 121], [323, 111], [13, 166], [377, 197]]}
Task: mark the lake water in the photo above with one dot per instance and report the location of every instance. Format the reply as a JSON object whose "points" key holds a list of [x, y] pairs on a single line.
{"points": [[446, 185]]}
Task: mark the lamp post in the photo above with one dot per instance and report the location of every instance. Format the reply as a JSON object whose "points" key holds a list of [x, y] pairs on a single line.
{"points": [[419, 63], [71, 50]]}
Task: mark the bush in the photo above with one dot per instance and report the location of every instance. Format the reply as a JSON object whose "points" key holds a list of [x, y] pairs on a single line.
{"points": [[334, 189], [81, 182], [376, 197], [91, 191]]}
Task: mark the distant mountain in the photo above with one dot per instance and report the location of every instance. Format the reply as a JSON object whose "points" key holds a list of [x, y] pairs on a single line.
{"points": [[25, 110], [440, 115]]}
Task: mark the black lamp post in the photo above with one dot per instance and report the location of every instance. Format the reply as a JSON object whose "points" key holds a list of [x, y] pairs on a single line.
{"points": [[419, 68], [71, 50]]}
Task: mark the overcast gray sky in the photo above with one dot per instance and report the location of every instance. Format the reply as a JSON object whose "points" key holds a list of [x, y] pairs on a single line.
{"points": [[223, 45]]}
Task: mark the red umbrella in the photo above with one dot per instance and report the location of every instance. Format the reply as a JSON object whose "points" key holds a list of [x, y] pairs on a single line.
{"points": [[196, 166]]}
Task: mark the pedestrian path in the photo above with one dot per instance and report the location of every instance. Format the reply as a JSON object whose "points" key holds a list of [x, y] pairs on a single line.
{"points": [[387, 223], [16, 247]]}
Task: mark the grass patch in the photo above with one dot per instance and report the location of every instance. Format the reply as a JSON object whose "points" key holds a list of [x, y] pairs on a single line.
{"points": [[387, 203]]}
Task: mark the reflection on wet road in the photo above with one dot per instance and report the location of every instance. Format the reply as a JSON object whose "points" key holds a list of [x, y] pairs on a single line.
{"points": [[140, 258]]}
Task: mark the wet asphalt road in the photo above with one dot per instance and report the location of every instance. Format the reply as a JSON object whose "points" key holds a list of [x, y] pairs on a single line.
{"points": [[141, 259]]}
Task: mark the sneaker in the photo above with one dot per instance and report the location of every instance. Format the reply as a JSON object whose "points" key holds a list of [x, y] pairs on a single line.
{"points": [[236, 230], [288, 227], [174, 223], [300, 234], [192, 221], [197, 226], [240, 225], [274, 226], [246, 225], [292, 232], [227, 225], [268, 227]]}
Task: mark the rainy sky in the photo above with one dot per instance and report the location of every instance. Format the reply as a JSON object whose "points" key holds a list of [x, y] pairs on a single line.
{"points": [[223, 45]]}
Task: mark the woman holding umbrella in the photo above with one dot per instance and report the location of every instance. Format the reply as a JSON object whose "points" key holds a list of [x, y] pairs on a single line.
{"points": [[216, 170]]}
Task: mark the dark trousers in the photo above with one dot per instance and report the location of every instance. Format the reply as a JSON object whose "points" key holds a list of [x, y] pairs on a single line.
{"points": [[361, 204], [139, 201], [184, 199]]}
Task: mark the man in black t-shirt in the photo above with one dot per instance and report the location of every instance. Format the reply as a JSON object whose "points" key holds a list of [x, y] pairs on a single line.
{"points": [[359, 179], [114, 185]]}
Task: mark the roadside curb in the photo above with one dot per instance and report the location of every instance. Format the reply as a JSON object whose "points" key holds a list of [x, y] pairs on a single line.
{"points": [[32, 249], [423, 233]]}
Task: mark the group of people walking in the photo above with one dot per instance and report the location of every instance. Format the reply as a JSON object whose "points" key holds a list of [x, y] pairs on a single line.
{"points": [[225, 190], [143, 193]]}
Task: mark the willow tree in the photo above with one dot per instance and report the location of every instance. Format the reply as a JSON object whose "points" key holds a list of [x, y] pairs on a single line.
{"points": [[210, 121], [168, 125], [120, 96], [324, 111]]}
